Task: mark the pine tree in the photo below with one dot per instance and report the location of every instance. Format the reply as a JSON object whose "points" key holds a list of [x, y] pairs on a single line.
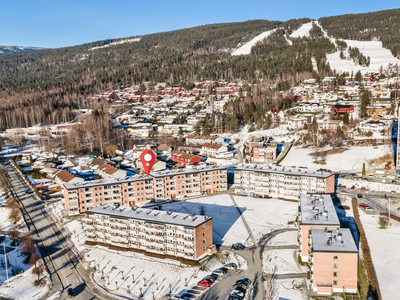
{"points": [[363, 170]]}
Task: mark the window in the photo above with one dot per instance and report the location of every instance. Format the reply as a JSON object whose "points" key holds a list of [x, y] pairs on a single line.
{"points": [[335, 282], [335, 266], [335, 257], [204, 226], [204, 241], [204, 234], [204, 248], [335, 274]]}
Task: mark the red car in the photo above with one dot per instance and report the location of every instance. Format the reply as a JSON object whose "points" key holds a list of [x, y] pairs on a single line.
{"points": [[204, 283], [363, 205]]}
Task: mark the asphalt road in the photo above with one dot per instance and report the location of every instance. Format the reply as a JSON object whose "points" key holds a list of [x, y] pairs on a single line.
{"points": [[60, 259], [377, 200]]}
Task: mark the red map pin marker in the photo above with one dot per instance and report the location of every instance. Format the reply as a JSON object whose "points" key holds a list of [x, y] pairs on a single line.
{"points": [[147, 158]]}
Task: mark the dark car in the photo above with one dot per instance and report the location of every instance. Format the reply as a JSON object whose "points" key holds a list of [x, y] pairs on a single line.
{"points": [[359, 196], [220, 271], [71, 292], [238, 246], [210, 278], [244, 281], [235, 297]]}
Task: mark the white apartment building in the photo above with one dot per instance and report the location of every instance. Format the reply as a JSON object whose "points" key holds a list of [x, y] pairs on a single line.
{"points": [[281, 182], [152, 232]]}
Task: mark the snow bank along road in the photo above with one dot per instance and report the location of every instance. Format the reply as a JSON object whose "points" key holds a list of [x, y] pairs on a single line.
{"points": [[61, 261]]}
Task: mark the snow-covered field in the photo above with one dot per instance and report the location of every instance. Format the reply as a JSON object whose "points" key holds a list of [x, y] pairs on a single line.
{"points": [[288, 289], [266, 215], [384, 245], [5, 224], [20, 283], [137, 267], [282, 261], [380, 57], [284, 239], [246, 48], [304, 30], [349, 160]]}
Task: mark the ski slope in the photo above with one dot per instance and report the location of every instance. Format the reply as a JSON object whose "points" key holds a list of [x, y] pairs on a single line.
{"points": [[304, 30], [246, 48], [380, 57]]}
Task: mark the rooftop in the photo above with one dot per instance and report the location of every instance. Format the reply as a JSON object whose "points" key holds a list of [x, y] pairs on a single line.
{"points": [[284, 170], [152, 215], [333, 240], [318, 209]]}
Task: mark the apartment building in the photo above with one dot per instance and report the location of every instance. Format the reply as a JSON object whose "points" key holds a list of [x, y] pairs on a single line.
{"points": [[153, 232], [141, 189], [315, 211], [334, 261], [281, 182]]}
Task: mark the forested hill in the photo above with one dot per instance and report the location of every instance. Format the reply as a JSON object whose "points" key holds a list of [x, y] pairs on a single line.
{"points": [[45, 85], [382, 26], [9, 49]]}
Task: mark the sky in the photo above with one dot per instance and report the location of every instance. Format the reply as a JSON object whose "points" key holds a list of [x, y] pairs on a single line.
{"points": [[59, 23]]}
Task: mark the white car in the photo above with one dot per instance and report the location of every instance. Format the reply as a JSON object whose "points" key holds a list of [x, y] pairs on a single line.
{"points": [[369, 208]]}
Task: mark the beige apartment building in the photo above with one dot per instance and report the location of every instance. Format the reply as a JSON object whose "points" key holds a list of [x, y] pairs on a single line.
{"points": [[315, 211], [281, 182], [154, 232], [333, 260], [141, 189]]}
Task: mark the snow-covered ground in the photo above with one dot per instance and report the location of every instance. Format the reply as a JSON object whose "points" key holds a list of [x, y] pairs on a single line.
{"points": [[372, 186], [279, 134], [282, 261], [384, 245], [20, 283], [156, 271], [349, 160], [5, 224], [228, 227], [277, 214], [380, 57], [246, 48], [304, 30], [284, 239], [287, 289]]}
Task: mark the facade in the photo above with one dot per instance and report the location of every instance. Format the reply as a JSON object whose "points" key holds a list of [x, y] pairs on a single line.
{"points": [[62, 176], [161, 233], [281, 182], [215, 150], [334, 261], [140, 189], [315, 211]]}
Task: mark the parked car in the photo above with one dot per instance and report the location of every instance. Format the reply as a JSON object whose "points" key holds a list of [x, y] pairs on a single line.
{"points": [[393, 192], [210, 278], [238, 246], [220, 271], [71, 292], [230, 266], [359, 196], [244, 281], [394, 181], [353, 188], [369, 208], [398, 208], [205, 283], [344, 192], [235, 297], [363, 205], [239, 290]]}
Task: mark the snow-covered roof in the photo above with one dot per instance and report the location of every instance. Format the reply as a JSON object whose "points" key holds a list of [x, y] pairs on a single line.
{"points": [[151, 215], [284, 170], [333, 240], [318, 209]]}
